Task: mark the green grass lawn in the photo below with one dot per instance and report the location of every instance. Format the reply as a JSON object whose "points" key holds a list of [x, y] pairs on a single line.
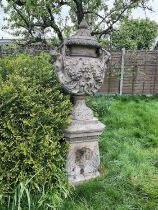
{"points": [[129, 157]]}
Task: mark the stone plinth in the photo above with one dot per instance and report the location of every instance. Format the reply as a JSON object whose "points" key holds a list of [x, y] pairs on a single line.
{"points": [[83, 134]]}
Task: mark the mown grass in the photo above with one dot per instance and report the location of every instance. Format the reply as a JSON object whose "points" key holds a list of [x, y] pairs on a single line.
{"points": [[129, 157]]}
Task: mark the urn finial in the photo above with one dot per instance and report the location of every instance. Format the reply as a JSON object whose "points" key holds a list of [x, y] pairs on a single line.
{"points": [[83, 37], [84, 24]]}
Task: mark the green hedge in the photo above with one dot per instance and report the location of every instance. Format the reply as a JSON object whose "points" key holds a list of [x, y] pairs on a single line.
{"points": [[33, 114]]}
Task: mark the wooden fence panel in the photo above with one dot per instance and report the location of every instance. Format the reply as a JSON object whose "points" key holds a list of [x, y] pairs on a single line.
{"points": [[140, 73]]}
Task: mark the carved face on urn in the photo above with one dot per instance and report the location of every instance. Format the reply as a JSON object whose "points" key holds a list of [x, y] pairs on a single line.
{"points": [[81, 66]]}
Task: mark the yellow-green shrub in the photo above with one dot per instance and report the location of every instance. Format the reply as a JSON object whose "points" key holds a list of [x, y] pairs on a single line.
{"points": [[33, 114]]}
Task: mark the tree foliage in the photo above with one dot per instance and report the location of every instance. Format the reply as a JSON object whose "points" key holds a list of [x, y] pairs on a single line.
{"points": [[135, 34], [35, 18]]}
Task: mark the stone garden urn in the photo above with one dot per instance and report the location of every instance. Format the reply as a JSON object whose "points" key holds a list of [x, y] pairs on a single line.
{"points": [[80, 68]]}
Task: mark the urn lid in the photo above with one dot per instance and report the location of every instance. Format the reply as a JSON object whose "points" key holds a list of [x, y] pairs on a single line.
{"points": [[83, 37]]}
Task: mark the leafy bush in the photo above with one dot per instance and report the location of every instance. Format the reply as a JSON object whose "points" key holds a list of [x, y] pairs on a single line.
{"points": [[100, 107], [33, 114]]}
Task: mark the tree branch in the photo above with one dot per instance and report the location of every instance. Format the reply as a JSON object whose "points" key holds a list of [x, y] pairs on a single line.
{"points": [[79, 10], [61, 3], [23, 18], [92, 12], [110, 27], [54, 25]]}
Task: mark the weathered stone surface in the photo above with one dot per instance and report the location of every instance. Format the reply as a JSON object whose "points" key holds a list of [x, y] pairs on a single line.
{"points": [[81, 111], [84, 128], [83, 37], [83, 161], [80, 75], [83, 133], [80, 68], [83, 121]]}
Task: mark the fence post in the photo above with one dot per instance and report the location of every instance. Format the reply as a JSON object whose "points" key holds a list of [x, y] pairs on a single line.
{"points": [[0, 51], [122, 69]]}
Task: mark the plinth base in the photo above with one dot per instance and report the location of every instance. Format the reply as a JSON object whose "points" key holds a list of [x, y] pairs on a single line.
{"points": [[83, 158], [83, 161]]}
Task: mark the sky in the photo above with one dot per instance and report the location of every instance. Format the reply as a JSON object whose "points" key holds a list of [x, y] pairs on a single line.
{"points": [[137, 13]]}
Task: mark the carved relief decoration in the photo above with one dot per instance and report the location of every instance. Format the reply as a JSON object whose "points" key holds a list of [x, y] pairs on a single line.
{"points": [[80, 75]]}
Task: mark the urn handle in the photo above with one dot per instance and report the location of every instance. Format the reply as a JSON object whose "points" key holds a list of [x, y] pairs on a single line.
{"points": [[55, 53], [105, 56]]}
